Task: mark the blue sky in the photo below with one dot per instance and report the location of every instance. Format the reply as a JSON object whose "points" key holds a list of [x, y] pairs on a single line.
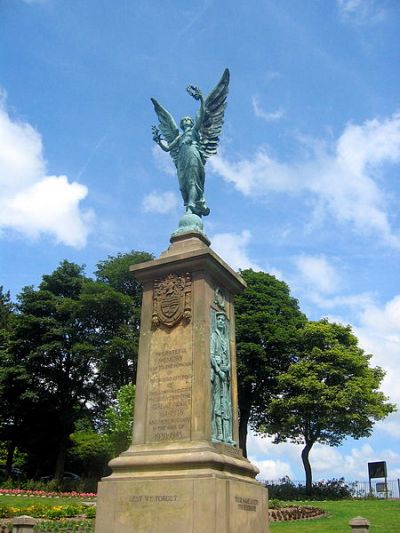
{"points": [[305, 186]]}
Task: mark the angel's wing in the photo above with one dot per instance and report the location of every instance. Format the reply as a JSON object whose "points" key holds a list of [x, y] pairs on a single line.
{"points": [[214, 108], [168, 126]]}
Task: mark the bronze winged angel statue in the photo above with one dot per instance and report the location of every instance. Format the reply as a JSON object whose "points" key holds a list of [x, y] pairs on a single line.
{"points": [[198, 140]]}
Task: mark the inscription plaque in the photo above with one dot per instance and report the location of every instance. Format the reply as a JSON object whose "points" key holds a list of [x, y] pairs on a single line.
{"points": [[170, 386], [149, 498], [246, 504]]}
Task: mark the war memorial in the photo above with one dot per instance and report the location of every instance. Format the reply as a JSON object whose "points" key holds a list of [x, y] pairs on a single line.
{"points": [[184, 472]]}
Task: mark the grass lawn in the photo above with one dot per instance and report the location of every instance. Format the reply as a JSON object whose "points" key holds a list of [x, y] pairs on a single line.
{"points": [[383, 515], [26, 501]]}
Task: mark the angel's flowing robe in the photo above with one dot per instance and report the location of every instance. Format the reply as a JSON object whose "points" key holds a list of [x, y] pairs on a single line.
{"points": [[191, 173]]}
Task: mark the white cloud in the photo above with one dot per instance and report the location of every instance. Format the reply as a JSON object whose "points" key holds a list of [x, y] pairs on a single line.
{"points": [[341, 177], [232, 247], [378, 330], [317, 273], [355, 301], [278, 460], [274, 460], [160, 202], [330, 462], [32, 202], [361, 11], [272, 469], [259, 111]]}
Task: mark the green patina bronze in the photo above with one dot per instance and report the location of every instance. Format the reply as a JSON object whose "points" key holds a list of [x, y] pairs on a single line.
{"points": [[221, 418], [191, 148]]}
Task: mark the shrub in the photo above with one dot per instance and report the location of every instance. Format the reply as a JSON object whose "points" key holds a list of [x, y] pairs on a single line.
{"points": [[65, 526], [332, 489]]}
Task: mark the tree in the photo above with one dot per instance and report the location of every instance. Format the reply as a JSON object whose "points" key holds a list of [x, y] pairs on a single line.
{"points": [[9, 414], [329, 393], [119, 360], [115, 272], [56, 348], [95, 448], [268, 321], [119, 420], [6, 309], [90, 450]]}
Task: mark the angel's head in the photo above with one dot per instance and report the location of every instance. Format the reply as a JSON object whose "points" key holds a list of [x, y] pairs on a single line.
{"points": [[186, 123]]}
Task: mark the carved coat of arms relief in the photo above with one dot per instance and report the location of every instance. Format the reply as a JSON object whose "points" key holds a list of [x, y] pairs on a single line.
{"points": [[172, 299]]}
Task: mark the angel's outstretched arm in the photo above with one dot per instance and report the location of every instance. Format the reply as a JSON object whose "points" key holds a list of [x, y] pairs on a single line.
{"points": [[162, 143]]}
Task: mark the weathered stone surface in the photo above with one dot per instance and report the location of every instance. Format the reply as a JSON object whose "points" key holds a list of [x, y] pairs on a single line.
{"points": [[359, 524], [196, 504], [174, 478], [23, 524]]}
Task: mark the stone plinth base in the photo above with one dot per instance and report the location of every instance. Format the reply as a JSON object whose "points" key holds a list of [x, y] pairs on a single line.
{"points": [[209, 504], [182, 488]]}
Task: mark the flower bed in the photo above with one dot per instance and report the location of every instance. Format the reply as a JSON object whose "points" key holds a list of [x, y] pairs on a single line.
{"points": [[49, 512], [297, 512], [47, 494]]}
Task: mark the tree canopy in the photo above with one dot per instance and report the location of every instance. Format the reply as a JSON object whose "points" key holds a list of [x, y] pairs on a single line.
{"points": [[329, 393], [68, 355], [55, 360], [268, 321]]}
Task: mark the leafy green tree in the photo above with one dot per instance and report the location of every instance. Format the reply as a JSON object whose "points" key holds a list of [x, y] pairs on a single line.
{"points": [[120, 358], [268, 321], [329, 393], [9, 412], [115, 272], [6, 310], [90, 450], [57, 345], [95, 448], [119, 420]]}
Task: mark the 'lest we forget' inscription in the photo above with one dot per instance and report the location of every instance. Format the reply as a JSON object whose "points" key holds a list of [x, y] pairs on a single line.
{"points": [[169, 395]]}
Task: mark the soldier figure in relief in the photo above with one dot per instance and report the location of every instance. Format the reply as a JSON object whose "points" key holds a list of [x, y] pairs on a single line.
{"points": [[221, 382]]}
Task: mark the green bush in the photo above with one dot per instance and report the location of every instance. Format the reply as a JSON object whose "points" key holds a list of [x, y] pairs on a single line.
{"points": [[332, 489], [90, 511], [65, 526], [64, 511]]}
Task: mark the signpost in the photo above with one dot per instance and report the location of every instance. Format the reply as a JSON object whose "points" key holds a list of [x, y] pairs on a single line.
{"points": [[378, 470]]}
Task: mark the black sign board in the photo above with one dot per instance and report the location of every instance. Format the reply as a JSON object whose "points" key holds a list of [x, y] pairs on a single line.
{"points": [[377, 469]]}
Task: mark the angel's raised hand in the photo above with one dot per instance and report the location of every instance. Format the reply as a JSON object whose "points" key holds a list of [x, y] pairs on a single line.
{"points": [[194, 91], [156, 134]]}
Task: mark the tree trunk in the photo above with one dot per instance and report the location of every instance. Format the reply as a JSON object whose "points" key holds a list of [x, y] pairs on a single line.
{"points": [[243, 423], [11, 446], [307, 467], [60, 461]]}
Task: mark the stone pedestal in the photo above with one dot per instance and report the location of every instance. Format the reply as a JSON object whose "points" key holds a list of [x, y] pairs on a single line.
{"points": [[175, 478]]}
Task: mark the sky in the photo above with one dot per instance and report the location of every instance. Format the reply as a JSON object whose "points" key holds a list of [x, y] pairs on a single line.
{"points": [[305, 185]]}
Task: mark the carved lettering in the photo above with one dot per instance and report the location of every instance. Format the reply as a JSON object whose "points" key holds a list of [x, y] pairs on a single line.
{"points": [[146, 498], [246, 504], [169, 395]]}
